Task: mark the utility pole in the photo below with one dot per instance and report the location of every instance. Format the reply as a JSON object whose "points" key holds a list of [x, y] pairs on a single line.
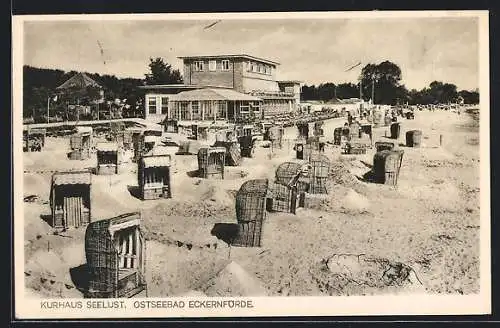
{"points": [[48, 107], [361, 88], [373, 90]]}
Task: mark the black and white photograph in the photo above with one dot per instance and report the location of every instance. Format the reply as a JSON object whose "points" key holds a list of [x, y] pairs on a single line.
{"points": [[205, 164]]}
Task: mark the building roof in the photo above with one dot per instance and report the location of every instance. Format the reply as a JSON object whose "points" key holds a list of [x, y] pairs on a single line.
{"points": [[169, 86], [291, 81], [71, 178], [107, 146], [156, 161], [212, 94], [244, 56], [80, 81]]}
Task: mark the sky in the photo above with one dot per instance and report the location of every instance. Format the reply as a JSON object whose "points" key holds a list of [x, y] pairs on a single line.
{"points": [[310, 50]]}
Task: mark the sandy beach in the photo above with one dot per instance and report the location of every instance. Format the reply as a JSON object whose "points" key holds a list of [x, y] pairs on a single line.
{"points": [[360, 239]]}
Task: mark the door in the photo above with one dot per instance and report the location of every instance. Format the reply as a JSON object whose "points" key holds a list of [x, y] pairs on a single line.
{"points": [[230, 111], [73, 211]]}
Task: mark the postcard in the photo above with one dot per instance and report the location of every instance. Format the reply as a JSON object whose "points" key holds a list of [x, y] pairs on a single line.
{"points": [[251, 164]]}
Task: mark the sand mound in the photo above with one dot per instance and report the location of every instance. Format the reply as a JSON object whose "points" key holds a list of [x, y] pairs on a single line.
{"points": [[233, 281], [348, 274], [27, 161], [42, 262], [37, 184], [74, 253], [440, 193], [354, 203], [174, 271], [218, 195], [192, 293]]}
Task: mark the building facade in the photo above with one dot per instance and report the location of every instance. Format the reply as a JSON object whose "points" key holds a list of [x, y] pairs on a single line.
{"points": [[243, 74]]}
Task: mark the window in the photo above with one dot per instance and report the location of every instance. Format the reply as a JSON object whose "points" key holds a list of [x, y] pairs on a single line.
{"points": [[164, 105], [244, 107], [222, 108], [212, 65], [255, 107], [225, 65], [261, 69], [152, 105], [184, 113], [254, 67], [198, 66], [195, 107]]}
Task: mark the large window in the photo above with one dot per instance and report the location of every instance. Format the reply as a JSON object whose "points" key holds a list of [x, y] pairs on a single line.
{"points": [[244, 107], [198, 66], [195, 107], [255, 107], [184, 114], [212, 65], [225, 65], [152, 105], [222, 109], [164, 105]]}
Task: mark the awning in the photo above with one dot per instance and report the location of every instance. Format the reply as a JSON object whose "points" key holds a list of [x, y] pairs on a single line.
{"points": [[37, 131], [107, 146], [72, 178], [84, 129], [213, 94], [134, 130], [148, 139], [156, 161], [124, 221]]}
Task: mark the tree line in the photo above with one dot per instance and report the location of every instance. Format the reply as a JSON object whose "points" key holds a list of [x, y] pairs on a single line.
{"points": [[40, 87], [383, 83]]}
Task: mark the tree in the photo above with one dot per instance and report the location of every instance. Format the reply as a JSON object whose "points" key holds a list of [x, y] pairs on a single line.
{"points": [[309, 93], [442, 93], [162, 73], [385, 78], [470, 97], [39, 84], [347, 90], [326, 91]]}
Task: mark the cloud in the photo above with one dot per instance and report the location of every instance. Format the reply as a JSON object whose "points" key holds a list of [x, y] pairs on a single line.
{"points": [[313, 51]]}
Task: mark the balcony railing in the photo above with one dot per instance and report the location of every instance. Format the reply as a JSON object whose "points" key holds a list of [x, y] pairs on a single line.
{"points": [[262, 93]]}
